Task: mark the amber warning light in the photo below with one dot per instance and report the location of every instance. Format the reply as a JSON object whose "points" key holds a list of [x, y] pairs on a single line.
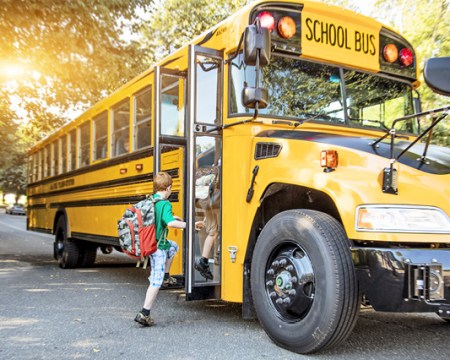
{"points": [[329, 160]]}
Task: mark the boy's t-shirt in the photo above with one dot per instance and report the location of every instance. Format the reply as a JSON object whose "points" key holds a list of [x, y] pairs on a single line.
{"points": [[164, 215]]}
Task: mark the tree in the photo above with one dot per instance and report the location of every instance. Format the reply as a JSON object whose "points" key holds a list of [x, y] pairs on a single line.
{"points": [[173, 23], [57, 57]]}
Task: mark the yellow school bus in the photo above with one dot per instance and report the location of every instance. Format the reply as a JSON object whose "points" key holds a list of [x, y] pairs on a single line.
{"points": [[329, 190]]}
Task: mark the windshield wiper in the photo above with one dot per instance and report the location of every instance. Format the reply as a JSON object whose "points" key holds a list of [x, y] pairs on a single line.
{"points": [[392, 131]]}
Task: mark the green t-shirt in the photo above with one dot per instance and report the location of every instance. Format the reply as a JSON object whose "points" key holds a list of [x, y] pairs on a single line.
{"points": [[164, 215]]}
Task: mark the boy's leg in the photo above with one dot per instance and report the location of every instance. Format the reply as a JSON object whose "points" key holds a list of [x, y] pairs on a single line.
{"points": [[157, 263], [169, 280]]}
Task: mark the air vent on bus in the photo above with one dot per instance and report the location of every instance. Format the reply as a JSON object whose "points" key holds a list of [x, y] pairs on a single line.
{"points": [[266, 150]]}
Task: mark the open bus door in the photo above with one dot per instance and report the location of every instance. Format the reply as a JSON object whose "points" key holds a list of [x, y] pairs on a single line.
{"points": [[170, 140], [205, 84], [188, 113]]}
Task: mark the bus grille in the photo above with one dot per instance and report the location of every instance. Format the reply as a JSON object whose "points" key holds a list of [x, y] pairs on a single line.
{"points": [[266, 150]]}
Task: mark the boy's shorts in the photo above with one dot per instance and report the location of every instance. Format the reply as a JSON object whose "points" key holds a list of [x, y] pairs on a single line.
{"points": [[158, 263]]}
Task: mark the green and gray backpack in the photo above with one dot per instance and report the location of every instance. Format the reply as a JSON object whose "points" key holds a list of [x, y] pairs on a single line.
{"points": [[137, 229]]}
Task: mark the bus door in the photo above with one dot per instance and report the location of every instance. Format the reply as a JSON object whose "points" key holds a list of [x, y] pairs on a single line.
{"points": [[204, 153], [170, 142]]}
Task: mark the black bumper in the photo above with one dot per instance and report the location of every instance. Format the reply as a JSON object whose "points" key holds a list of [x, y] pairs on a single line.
{"points": [[405, 280]]}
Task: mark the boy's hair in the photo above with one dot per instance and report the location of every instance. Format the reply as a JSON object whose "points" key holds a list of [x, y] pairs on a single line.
{"points": [[161, 181]]}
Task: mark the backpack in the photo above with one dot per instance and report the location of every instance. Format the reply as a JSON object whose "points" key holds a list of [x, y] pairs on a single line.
{"points": [[137, 229]]}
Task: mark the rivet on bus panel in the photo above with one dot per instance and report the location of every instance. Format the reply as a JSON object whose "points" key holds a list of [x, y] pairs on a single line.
{"points": [[123, 171]]}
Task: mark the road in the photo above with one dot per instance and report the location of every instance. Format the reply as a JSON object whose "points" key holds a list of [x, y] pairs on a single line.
{"points": [[50, 313]]}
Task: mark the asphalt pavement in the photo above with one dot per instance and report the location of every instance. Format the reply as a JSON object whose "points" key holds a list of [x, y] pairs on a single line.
{"points": [[50, 313]]}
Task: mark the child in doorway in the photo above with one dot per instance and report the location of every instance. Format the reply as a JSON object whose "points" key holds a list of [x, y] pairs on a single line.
{"points": [[161, 260]]}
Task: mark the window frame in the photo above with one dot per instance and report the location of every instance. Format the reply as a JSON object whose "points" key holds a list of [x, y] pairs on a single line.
{"points": [[114, 131], [135, 123]]}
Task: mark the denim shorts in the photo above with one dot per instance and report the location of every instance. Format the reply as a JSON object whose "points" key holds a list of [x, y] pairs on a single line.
{"points": [[158, 263]]}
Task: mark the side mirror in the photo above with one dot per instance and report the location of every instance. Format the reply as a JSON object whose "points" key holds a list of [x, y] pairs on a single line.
{"points": [[256, 42], [255, 98], [256, 53], [437, 75]]}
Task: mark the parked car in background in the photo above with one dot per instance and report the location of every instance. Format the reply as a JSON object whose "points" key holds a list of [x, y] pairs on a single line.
{"points": [[15, 209]]}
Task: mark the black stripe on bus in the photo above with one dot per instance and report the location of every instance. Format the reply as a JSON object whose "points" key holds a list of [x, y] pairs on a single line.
{"points": [[40, 230], [127, 200], [109, 240], [37, 206], [138, 179]]}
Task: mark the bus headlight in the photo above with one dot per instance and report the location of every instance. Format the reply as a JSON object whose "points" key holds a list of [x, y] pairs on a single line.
{"points": [[401, 218]]}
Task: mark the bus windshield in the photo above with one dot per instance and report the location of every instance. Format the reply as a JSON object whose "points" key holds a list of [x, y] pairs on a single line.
{"points": [[309, 91]]}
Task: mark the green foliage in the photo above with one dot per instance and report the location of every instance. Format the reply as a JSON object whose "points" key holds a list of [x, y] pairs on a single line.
{"points": [[58, 56], [13, 177], [175, 22]]}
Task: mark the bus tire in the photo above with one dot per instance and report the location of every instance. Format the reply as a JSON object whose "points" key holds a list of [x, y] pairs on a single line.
{"points": [[303, 281], [88, 254], [69, 250]]}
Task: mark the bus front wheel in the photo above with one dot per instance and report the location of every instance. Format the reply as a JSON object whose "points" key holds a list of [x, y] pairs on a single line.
{"points": [[67, 251], [303, 281]]}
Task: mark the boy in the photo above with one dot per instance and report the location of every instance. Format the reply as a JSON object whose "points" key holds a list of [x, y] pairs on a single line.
{"points": [[161, 260]]}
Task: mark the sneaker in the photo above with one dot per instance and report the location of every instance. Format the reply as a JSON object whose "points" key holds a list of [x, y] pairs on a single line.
{"points": [[202, 267], [170, 281], [144, 320]]}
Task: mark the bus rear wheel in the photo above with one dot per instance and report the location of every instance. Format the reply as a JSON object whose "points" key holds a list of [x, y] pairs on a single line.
{"points": [[67, 251], [88, 254], [303, 281]]}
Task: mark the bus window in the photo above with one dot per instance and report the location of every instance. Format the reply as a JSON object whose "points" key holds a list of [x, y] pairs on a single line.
{"points": [[48, 163], [41, 164], [207, 207], [208, 75], [84, 139], [72, 150], [63, 154], [29, 168], [314, 92], [142, 118], [121, 129], [373, 101], [55, 158], [172, 120], [35, 166], [100, 136]]}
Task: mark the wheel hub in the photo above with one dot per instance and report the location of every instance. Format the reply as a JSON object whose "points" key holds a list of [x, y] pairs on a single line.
{"points": [[290, 283]]}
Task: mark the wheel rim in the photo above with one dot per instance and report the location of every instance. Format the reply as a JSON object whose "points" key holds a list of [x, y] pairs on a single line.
{"points": [[290, 282], [61, 253]]}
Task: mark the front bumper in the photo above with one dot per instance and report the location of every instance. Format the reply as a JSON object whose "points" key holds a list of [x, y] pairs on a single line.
{"points": [[405, 280]]}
